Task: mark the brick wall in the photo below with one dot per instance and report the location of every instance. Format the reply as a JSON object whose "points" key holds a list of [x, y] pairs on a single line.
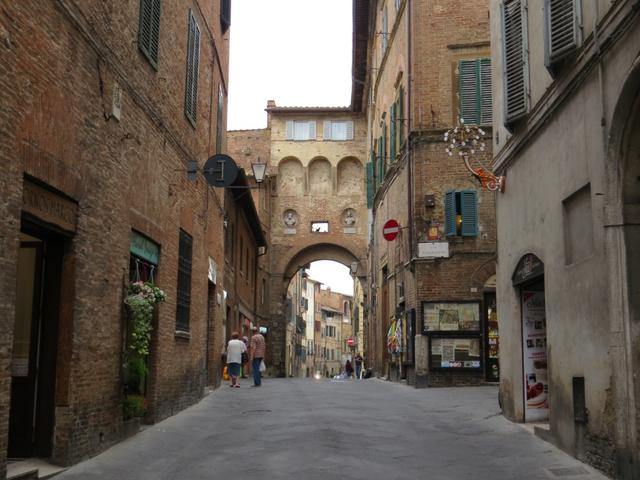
{"points": [[60, 65]]}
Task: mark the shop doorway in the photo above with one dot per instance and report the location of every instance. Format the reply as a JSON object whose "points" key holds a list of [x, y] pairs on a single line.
{"points": [[492, 338], [529, 279], [35, 342]]}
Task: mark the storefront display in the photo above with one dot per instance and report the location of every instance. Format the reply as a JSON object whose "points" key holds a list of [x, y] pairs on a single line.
{"points": [[492, 338], [534, 338], [455, 353]]}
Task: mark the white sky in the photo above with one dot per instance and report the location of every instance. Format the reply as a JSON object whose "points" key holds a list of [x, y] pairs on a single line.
{"points": [[296, 52], [334, 274]]}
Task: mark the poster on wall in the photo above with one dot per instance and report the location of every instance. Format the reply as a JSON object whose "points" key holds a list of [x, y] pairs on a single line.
{"points": [[449, 316], [534, 345]]}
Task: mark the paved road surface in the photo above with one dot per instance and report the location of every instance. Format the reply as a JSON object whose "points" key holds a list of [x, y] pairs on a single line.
{"points": [[306, 429]]}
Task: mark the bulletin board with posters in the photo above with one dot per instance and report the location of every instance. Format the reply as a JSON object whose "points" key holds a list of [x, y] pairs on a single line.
{"points": [[453, 329]]}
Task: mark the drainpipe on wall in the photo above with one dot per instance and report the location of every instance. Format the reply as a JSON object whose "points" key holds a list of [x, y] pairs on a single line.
{"points": [[409, 112]]}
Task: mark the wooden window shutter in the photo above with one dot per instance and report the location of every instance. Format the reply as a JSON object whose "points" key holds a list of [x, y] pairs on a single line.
{"points": [[312, 130], [289, 135], [384, 148], [486, 103], [149, 30], [370, 185], [450, 213], [514, 50], [392, 134], [469, 91], [562, 29], [349, 129], [326, 133], [225, 15], [400, 116], [193, 65], [469, 210]]}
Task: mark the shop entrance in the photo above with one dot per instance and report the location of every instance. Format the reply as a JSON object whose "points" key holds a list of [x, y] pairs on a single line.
{"points": [[492, 338], [529, 278], [35, 341]]}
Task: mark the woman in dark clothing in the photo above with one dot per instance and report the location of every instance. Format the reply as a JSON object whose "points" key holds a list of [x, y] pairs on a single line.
{"points": [[348, 368]]}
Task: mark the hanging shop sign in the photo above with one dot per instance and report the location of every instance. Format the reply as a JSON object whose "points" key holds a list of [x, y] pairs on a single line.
{"points": [[144, 248], [390, 230], [213, 271], [220, 170], [529, 268]]}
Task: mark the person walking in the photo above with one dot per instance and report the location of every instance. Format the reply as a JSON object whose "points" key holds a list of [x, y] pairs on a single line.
{"points": [[358, 362], [348, 368], [245, 358], [258, 347], [235, 349]]}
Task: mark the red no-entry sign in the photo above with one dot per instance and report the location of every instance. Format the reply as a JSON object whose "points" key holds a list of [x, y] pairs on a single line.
{"points": [[390, 230]]}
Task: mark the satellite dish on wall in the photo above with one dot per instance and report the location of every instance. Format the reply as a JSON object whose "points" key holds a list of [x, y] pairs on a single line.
{"points": [[220, 170]]}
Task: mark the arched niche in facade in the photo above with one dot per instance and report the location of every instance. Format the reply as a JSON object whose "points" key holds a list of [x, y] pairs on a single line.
{"points": [[350, 176], [290, 177], [320, 176]]}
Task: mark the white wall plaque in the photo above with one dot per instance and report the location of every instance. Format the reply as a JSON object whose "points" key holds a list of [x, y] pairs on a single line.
{"points": [[433, 250]]}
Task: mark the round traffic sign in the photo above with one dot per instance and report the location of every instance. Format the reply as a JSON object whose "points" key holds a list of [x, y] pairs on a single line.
{"points": [[390, 230], [220, 170]]}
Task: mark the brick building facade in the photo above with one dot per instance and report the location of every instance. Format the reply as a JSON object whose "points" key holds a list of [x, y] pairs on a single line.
{"points": [[102, 107], [428, 287]]}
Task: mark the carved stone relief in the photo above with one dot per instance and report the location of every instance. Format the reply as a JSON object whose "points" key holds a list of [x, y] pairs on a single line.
{"points": [[290, 218], [349, 217]]}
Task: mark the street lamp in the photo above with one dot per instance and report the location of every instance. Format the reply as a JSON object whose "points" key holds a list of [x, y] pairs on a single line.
{"points": [[468, 140], [259, 169]]}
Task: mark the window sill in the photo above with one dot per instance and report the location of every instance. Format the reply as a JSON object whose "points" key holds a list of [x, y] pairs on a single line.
{"points": [[183, 334]]}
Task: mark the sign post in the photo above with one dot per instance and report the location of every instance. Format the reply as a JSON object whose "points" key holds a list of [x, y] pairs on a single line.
{"points": [[390, 230]]}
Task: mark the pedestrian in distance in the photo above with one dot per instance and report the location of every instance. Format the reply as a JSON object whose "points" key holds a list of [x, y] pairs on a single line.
{"points": [[258, 347], [358, 362], [245, 358], [348, 368], [235, 349]]}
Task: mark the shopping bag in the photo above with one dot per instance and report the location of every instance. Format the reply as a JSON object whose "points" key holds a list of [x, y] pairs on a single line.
{"points": [[225, 373], [263, 367]]}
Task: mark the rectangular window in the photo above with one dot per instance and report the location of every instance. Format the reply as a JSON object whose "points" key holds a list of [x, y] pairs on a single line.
{"points": [[399, 113], [193, 63], [370, 184], [397, 4], [149, 30], [301, 130], [474, 91], [320, 227], [225, 15], [338, 130], [455, 353], [183, 296], [461, 213], [515, 61], [562, 33], [450, 316]]}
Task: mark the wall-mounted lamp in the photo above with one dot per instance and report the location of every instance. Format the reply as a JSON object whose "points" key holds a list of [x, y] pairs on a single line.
{"points": [[259, 169]]}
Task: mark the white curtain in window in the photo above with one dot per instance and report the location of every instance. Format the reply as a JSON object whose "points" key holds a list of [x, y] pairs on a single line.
{"points": [[338, 130]]}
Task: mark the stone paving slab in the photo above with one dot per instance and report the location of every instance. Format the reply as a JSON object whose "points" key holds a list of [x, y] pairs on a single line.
{"points": [[307, 429]]}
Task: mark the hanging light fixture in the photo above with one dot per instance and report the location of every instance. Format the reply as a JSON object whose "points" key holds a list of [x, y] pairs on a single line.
{"points": [[468, 141], [259, 169]]}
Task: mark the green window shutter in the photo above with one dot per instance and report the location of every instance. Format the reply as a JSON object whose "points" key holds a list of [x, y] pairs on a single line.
{"points": [[380, 169], [514, 54], [562, 29], [469, 91], [450, 213], [469, 209], [370, 185], [384, 149], [486, 104], [193, 64], [392, 134], [400, 116], [149, 30]]}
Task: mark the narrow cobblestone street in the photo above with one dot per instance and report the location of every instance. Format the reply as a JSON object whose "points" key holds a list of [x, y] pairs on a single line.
{"points": [[302, 429]]}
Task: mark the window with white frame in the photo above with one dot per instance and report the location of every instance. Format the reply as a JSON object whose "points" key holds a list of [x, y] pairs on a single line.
{"points": [[338, 130], [301, 130]]}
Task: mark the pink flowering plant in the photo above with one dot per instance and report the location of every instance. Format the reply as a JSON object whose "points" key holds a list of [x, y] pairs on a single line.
{"points": [[140, 301]]}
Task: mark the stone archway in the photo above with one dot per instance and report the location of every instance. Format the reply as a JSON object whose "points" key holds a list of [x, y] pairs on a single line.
{"points": [[285, 265], [622, 237]]}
